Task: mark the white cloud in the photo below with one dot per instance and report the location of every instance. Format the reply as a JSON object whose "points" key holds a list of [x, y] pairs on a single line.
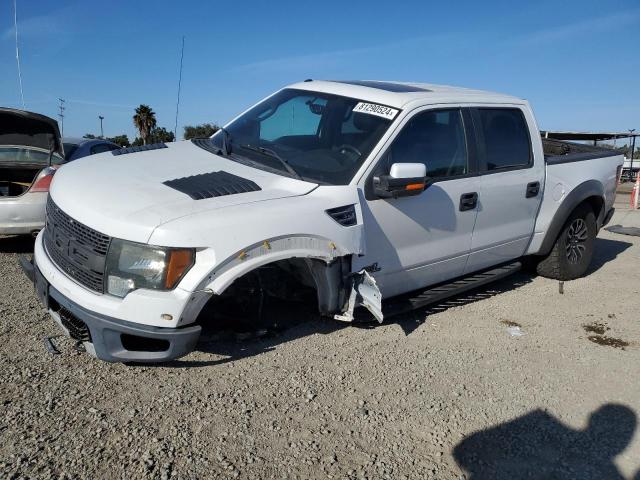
{"points": [[53, 23], [324, 60], [584, 27]]}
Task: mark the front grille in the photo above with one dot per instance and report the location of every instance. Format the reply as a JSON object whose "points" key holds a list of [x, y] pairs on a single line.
{"points": [[77, 328], [76, 249], [89, 237]]}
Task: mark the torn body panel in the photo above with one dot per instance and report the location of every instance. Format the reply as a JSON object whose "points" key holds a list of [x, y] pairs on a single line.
{"points": [[364, 293]]}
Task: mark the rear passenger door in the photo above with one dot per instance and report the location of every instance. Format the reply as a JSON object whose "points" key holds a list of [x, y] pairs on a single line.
{"points": [[510, 186]]}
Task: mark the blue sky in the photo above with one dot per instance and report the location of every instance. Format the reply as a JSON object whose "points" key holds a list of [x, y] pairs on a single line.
{"points": [[576, 62]]}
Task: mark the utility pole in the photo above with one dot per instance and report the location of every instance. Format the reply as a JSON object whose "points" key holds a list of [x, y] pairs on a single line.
{"points": [[61, 115], [15, 26], [101, 131], [633, 148], [175, 128]]}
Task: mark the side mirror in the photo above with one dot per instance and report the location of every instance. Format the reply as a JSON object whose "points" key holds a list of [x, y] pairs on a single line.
{"points": [[404, 180]]}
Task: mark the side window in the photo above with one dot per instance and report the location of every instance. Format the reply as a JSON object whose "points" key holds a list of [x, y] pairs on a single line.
{"points": [[506, 138], [299, 116], [101, 147], [435, 138]]}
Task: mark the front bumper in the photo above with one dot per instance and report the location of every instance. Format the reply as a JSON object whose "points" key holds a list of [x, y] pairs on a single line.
{"points": [[111, 339]]}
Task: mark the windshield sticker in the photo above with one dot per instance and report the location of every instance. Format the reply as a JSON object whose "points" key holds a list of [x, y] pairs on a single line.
{"points": [[374, 109]]}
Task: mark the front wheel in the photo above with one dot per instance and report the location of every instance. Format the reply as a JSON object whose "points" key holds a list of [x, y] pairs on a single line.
{"points": [[572, 253]]}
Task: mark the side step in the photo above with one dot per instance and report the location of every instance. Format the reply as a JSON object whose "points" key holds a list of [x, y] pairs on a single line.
{"points": [[419, 299]]}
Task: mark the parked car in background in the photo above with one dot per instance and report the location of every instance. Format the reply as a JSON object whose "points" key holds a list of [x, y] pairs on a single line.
{"points": [[30, 152], [75, 148]]}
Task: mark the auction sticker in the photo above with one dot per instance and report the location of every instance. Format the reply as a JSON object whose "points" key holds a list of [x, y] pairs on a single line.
{"points": [[375, 109]]}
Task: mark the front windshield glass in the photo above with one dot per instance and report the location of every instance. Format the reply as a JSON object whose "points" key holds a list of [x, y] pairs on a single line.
{"points": [[315, 135], [69, 149]]}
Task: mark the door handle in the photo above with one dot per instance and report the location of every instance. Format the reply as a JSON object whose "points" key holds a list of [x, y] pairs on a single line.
{"points": [[468, 201], [533, 189]]}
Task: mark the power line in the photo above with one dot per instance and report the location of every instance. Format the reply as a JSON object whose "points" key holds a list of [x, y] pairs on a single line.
{"points": [[175, 129], [15, 26]]}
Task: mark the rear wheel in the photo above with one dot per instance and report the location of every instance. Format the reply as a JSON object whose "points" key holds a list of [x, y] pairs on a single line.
{"points": [[571, 254]]}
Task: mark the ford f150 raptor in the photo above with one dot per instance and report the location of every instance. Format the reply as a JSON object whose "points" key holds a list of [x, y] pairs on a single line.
{"points": [[367, 191]]}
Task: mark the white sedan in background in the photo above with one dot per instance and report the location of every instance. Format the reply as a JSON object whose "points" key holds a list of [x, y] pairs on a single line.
{"points": [[30, 152]]}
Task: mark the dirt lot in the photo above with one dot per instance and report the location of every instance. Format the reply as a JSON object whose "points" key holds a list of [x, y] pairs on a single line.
{"points": [[515, 381]]}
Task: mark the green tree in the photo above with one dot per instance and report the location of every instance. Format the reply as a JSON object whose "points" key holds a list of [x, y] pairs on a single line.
{"points": [[161, 135], [145, 121], [156, 135], [122, 140], [200, 131], [90, 136]]}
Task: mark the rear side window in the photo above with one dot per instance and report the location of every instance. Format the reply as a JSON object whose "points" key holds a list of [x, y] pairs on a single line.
{"points": [[505, 138]]}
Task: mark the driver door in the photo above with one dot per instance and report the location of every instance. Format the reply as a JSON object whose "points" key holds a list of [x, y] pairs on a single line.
{"points": [[416, 241]]}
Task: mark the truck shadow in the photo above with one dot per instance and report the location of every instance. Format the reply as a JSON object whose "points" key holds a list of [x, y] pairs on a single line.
{"points": [[539, 446], [605, 251], [16, 244]]}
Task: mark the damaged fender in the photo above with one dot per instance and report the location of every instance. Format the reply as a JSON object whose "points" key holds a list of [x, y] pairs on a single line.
{"points": [[273, 250]]}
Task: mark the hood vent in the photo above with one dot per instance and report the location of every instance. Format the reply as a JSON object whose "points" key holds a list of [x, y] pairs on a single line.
{"points": [[345, 216], [214, 184], [141, 148]]}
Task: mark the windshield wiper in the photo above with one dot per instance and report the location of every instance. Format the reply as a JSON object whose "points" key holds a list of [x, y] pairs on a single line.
{"points": [[273, 154]]}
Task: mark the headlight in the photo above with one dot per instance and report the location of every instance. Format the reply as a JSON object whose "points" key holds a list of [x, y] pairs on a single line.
{"points": [[134, 265]]}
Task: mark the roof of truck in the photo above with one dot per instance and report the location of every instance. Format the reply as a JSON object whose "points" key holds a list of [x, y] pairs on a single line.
{"points": [[399, 94]]}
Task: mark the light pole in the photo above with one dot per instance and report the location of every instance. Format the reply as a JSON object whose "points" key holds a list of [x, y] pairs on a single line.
{"points": [[101, 131]]}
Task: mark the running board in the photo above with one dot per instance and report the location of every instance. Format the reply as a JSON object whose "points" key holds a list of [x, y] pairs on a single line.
{"points": [[406, 303]]}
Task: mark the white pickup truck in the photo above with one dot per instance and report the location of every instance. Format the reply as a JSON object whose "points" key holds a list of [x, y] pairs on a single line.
{"points": [[379, 195]]}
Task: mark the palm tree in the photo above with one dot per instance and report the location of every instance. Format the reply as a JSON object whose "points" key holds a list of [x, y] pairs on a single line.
{"points": [[144, 120]]}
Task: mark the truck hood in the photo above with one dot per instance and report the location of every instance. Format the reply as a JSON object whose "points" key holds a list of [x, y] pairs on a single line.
{"points": [[124, 195]]}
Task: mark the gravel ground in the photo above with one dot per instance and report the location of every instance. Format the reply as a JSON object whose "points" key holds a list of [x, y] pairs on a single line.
{"points": [[514, 381]]}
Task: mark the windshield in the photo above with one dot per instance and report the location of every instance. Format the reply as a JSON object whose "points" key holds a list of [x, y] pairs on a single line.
{"points": [[69, 149], [317, 136]]}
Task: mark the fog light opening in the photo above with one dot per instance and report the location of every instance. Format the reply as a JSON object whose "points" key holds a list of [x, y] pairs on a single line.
{"points": [[133, 343]]}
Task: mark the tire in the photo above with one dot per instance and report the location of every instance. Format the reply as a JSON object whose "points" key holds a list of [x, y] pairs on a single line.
{"points": [[572, 253]]}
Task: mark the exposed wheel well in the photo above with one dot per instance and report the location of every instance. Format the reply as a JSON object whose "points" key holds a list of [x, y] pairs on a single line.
{"points": [[293, 279]]}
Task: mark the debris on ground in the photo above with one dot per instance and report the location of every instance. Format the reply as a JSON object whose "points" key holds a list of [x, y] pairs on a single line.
{"points": [[633, 231]]}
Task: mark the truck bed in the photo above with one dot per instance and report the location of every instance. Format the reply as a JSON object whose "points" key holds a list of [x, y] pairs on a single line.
{"points": [[557, 151], [563, 176]]}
